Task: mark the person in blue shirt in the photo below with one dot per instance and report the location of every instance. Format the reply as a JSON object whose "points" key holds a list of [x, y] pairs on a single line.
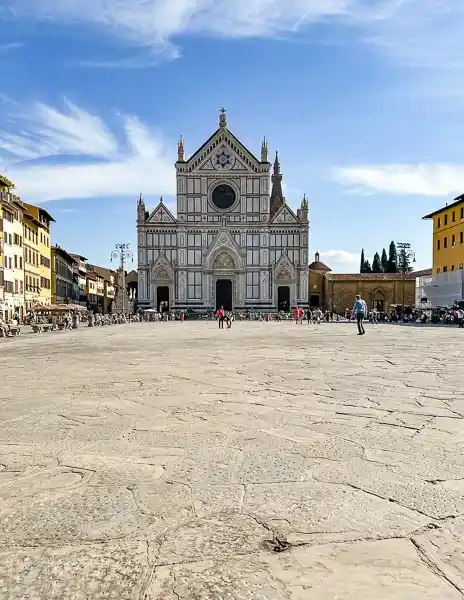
{"points": [[360, 310]]}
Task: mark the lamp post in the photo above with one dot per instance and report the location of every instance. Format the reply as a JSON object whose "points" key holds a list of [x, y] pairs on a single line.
{"points": [[124, 253], [405, 255]]}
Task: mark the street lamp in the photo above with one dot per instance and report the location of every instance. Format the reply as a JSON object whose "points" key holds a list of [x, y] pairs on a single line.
{"points": [[124, 253], [405, 255]]}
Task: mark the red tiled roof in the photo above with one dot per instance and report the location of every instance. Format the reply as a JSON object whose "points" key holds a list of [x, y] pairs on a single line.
{"points": [[370, 276], [319, 266]]}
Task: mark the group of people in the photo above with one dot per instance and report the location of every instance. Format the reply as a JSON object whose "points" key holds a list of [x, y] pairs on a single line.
{"points": [[7, 328], [221, 316]]}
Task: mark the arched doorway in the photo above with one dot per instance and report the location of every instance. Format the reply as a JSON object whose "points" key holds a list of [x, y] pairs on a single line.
{"points": [[162, 298], [224, 294], [378, 301], [283, 298]]}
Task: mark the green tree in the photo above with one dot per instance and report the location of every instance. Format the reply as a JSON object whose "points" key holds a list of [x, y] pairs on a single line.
{"points": [[392, 266], [5, 183], [367, 267], [376, 264], [404, 262], [361, 268], [384, 261]]}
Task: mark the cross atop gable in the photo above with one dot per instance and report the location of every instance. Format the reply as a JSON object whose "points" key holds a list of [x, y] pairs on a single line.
{"points": [[222, 152], [161, 214], [285, 215]]}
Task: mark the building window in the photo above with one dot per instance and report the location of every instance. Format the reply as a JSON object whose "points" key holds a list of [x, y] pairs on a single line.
{"points": [[194, 258], [194, 239], [438, 222], [445, 219], [460, 267], [252, 240], [462, 212], [252, 257], [194, 285], [461, 237], [452, 267], [252, 288], [453, 216], [445, 242], [438, 244], [453, 240], [252, 205], [445, 269]]}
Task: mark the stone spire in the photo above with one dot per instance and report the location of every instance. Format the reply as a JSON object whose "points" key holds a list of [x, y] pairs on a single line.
{"points": [[140, 209], [302, 212], [222, 117], [264, 151], [180, 150], [277, 196]]}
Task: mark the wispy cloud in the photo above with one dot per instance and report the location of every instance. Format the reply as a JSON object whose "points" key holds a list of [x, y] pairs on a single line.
{"points": [[105, 163], [341, 261], [4, 48], [426, 33], [419, 180]]}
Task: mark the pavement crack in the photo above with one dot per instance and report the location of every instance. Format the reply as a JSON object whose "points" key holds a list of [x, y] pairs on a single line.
{"points": [[433, 566]]}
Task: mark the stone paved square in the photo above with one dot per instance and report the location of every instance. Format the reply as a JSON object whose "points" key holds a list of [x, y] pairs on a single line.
{"points": [[271, 461]]}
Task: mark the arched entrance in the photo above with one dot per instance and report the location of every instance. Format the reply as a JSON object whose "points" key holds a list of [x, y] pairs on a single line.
{"points": [[162, 298], [378, 301], [224, 294], [283, 298]]}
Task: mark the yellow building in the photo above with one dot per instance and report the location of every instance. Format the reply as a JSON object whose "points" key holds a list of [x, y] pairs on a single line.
{"points": [[31, 259], [448, 237], [44, 220]]}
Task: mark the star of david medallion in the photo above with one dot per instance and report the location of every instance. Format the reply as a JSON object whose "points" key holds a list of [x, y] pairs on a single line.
{"points": [[223, 160]]}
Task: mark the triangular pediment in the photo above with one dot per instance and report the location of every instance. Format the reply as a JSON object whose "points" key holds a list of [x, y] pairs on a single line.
{"points": [[224, 245], [161, 214], [221, 153], [162, 268], [284, 268], [285, 215]]}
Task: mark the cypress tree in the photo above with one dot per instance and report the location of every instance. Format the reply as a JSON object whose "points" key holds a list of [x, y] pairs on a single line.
{"points": [[392, 266], [361, 268], [384, 261], [376, 264], [404, 264], [367, 267]]}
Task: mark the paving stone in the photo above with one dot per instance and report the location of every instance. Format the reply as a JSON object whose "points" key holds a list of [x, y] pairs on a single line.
{"points": [[266, 462], [113, 571]]}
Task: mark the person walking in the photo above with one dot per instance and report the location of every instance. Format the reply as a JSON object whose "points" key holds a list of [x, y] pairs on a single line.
{"points": [[360, 310], [220, 317]]}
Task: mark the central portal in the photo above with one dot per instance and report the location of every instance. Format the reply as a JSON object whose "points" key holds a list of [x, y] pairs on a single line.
{"points": [[224, 294]]}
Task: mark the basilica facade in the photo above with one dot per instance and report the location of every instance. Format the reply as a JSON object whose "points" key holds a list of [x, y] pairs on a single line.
{"points": [[234, 241]]}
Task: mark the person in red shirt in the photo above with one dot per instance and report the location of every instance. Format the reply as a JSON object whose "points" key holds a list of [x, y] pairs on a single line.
{"points": [[220, 317]]}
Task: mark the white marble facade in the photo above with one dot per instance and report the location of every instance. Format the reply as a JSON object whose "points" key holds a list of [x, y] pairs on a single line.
{"points": [[235, 241]]}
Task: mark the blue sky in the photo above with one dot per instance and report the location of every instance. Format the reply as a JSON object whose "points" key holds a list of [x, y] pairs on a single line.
{"points": [[363, 99]]}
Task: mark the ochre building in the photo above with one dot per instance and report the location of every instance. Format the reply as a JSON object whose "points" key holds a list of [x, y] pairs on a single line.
{"points": [[448, 237], [43, 219], [337, 291]]}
